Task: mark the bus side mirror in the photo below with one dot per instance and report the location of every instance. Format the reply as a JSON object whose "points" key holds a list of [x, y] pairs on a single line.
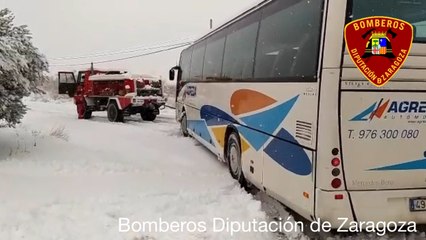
{"points": [[172, 74]]}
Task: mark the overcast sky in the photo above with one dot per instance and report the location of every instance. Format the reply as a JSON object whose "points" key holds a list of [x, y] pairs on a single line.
{"points": [[73, 28]]}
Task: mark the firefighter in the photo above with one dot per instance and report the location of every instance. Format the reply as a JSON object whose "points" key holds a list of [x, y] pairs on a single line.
{"points": [[80, 102]]}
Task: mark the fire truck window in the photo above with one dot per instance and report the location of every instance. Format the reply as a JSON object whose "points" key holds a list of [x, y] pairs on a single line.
{"points": [[66, 78], [70, 78], [62, 78]]}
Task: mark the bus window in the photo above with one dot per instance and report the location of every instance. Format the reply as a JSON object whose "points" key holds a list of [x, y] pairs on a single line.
{"points": [[185, 63], [196, 73], [213, 59], [239, 51], [412, 11], [289, 37]]}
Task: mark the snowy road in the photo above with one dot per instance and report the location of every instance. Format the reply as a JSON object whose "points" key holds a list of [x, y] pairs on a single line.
{"points": [[69, 179], [77, 183]]}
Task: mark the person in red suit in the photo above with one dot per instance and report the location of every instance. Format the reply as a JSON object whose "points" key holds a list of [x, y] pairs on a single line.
{"points": [[80, 102]]}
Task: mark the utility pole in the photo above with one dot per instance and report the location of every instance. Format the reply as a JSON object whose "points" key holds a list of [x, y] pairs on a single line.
{"points": [[211, 24]]}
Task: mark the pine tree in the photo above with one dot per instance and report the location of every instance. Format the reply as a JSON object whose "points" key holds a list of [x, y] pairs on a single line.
{"points": [[22, 68]]}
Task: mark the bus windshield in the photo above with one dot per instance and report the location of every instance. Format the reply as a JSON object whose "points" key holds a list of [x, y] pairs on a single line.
{"points": [[412, 11]]}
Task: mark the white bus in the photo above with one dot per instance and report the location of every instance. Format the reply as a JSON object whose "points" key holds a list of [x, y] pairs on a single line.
{"points": [[275, 95]]}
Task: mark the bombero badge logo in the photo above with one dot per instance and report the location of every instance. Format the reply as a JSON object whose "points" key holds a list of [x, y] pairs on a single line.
{"points": [[379, 46]]}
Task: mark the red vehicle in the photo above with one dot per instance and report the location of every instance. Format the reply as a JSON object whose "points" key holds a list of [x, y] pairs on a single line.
{"points": [[119, 93]]}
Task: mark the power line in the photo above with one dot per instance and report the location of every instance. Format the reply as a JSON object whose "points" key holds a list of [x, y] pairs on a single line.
{"points": [[116, 53], [124, 51], [126, 58]]}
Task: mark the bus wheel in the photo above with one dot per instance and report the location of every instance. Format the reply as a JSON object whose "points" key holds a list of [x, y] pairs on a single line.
{"points": [[184, 125], [114, 114], [233, 155]]}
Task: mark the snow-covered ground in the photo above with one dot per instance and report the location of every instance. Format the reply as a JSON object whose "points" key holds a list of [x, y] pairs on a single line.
{"points": [[63, 178], [68, 179]]}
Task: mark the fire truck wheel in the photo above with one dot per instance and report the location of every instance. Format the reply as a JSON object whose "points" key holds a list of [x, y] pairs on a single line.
{"points": [[87, 114], [114, 114], [148, 116]]}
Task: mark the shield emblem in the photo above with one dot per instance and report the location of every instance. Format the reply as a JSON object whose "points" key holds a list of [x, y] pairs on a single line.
{"points": [[379, 46]]}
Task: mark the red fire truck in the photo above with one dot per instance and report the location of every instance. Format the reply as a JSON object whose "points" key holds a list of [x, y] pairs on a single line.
{"points": [[119, 93]]}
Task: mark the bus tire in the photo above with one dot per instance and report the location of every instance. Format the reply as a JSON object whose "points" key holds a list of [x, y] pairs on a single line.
{"points": [[114, 114], [184, 125], [233, 157]]}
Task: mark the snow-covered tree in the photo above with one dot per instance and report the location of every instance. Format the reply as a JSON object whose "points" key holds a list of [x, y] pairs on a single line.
{"points": [[22, 68]]}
